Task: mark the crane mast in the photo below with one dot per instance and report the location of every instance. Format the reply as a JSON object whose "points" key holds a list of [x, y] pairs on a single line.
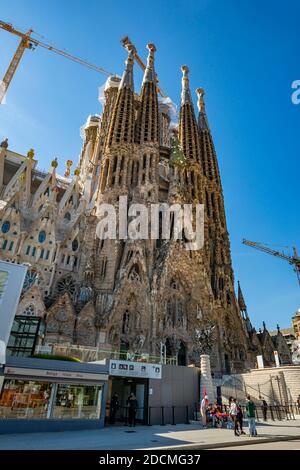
{"points": [[24, 44], [27, 42], [293, 260]]}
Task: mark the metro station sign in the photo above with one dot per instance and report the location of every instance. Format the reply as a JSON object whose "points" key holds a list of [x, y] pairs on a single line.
{"points": [[135, 369]]}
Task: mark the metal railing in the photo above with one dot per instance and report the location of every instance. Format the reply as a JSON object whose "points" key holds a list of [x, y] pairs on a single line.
{"points": [[172, 415], [94, 354]]}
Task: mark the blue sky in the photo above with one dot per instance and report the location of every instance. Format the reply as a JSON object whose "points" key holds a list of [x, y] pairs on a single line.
{"points": [[245, 54]]}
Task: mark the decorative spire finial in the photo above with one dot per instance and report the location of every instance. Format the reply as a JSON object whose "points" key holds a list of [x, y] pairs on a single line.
{"points": [[127, 78], [149, 75], [54, 163], [4, 144], [202, 120], [185, 94], [69, 163], [200, 103], [30, 154]]}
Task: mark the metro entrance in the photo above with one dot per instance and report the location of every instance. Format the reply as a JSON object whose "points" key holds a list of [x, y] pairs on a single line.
{"points": [[123, 386]]}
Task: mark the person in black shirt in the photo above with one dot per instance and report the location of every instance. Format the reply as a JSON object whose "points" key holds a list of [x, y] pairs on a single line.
{"points": [[264, 407], [114, 406], [132, 407]]}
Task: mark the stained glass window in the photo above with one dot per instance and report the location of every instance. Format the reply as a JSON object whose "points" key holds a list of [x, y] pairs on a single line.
{"points": [[42, 236], [29, 310], [75, 244], [31, 279], [5, 227], [66, 284]]}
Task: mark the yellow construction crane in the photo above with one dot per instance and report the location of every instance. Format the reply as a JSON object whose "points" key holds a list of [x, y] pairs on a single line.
{"points": [[125, 41], [293, 260], [28, 42]]}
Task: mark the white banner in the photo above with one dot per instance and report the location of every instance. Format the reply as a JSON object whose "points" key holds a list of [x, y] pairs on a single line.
{"points": [[12, 278], [260, 362], [135, 369], [277, 362]]}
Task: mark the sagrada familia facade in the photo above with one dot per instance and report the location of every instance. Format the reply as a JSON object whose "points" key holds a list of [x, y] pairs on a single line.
{"points": [[135, 296]]}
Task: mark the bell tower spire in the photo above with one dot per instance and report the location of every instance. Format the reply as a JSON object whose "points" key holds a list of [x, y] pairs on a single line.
{"points": [[121, 128], [208, 155], [188, 131], [147, 125]]}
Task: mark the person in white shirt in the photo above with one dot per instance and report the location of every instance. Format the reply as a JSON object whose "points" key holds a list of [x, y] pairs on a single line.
{"points": [[203, 409], [233, 414]]}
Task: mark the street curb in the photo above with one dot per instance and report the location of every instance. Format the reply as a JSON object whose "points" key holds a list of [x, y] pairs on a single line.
{"points": [[218, 445]]}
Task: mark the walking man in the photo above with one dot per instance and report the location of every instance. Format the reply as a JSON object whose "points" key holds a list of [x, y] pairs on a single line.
{"points": [[239, 417], [264, 407], [250, 408]]}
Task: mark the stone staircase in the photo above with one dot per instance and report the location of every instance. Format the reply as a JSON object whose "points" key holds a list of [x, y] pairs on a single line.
{"points": [[275, 384]]}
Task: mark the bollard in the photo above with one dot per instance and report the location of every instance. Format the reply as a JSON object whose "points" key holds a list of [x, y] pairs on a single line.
{"points": [[271, 411], [162, 416], [187, 421], [173, 416], [149, 416]]}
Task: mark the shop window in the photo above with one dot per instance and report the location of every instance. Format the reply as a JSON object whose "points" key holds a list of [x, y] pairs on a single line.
{"points": [[28, 399], [77, 402], [25, 399]]}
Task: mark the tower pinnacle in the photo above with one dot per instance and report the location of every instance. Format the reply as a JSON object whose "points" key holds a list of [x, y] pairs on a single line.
{"points": [[121, 127], [149, 75], [185, 94], [188, 130], [202, 120], [147, 123], [127, 78]]}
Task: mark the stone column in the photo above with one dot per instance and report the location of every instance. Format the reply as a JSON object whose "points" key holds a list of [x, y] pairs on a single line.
{"points": [[206, 379]]}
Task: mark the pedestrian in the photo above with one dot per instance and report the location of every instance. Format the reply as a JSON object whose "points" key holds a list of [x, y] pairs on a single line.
{"points": [[233, 414], [240, 417], [264, 407], [114, 406], [250, 408], [203, 410], [132, 407]]}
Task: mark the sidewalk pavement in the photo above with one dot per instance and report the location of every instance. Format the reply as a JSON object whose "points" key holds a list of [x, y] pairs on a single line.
{"points": [[179, 437]]}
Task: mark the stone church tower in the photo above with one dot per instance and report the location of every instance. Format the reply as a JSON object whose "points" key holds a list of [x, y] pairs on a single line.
{"points": [[134, 296]]}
